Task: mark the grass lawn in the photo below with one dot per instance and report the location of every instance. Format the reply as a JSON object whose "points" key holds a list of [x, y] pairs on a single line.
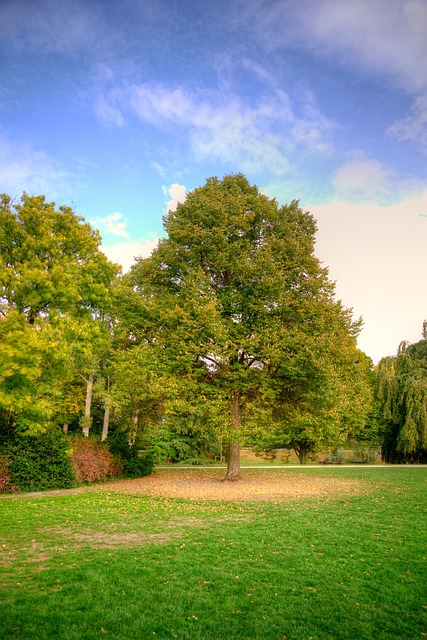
{"points": [[108, 565]]}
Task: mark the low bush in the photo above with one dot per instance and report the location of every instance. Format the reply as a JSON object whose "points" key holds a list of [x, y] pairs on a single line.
{"points": [[93, 461], [36, 463], [6, 485], [137, 461]]}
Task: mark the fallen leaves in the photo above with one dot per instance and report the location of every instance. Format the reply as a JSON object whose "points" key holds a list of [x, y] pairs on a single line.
{"points": [[264, 485]]}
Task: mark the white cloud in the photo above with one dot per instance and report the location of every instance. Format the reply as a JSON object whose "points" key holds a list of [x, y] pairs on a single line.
{"points": [[176, 193], [365, 180], [23, 168], [414, 127], [254, 138], [158, 104], [386, 37], [361, 179], [377, 255], [159, 168], [124, 253], [112, 224], [382, 37]]}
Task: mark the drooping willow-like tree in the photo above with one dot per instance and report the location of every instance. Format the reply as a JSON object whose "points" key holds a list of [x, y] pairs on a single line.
{"points": [[402, 391]]}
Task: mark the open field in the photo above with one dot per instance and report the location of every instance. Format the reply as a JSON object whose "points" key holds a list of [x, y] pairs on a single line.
{"points": [[316, 553]]}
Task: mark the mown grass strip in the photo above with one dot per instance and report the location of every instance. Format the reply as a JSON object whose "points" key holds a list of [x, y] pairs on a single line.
{"points": [[102, 565]]}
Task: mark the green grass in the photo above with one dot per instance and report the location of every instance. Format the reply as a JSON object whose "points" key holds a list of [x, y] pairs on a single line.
{"points": [[103, 565]]}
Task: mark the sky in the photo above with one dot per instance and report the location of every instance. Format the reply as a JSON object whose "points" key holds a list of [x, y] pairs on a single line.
{"points": [[119, 108]]}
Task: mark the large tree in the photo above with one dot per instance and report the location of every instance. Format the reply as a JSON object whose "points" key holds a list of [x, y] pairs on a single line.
{"points": [[402, 393], [233, 299], [53, 280]]}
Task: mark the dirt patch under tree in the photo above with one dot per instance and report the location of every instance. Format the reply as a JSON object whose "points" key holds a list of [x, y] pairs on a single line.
{"points": [[206, 484], [201, 484]]}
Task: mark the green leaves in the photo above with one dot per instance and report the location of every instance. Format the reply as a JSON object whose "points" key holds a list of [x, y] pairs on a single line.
{"points": [[235, 300], [50, 260], [54, 298], [31, 368], [402, 392]]}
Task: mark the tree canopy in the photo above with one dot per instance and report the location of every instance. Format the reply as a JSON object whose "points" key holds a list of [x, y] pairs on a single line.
{"points": [[236, 306], [50, 260]]}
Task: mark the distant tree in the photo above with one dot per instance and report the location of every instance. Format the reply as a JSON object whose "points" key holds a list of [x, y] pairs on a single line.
{"points": [[233, 302], [86, 343], [402, 393], [175, 417], [324, 408]]}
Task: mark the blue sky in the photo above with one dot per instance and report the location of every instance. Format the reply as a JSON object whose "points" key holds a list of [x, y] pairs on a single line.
{"points": [[118, 109]]}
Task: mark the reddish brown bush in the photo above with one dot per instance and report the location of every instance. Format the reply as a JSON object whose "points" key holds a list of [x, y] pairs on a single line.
{"points": [[93, 461], [6, 485]]}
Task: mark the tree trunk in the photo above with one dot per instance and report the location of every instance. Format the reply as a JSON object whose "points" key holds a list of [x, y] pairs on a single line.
{"points": [[65, 427], [301, 452], [233, 470], [134, 430], [89, 391], [105, 424]]}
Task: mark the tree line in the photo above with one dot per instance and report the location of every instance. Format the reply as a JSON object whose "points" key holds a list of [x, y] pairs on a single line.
{"points": [[228, 334]]}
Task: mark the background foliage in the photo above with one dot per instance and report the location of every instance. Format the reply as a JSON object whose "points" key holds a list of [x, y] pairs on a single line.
{"points": [[228, 335], [402, 393]]}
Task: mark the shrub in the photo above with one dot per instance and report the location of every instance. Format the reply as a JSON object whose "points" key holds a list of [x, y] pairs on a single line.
{"points": [[37, 463], [93, 461], [6, 485], [137, 461]]}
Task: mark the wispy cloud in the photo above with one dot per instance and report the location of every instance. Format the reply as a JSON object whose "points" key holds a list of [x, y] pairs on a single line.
{"points": [[414, 127], [377, 36], [384, 37], [365, 180], [382, 40], [108, 113], [254, 137], [23, 168], [113, 224]]}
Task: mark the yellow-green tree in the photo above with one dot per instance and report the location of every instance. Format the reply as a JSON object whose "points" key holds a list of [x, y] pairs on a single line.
{"points": [[53, 277]]}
